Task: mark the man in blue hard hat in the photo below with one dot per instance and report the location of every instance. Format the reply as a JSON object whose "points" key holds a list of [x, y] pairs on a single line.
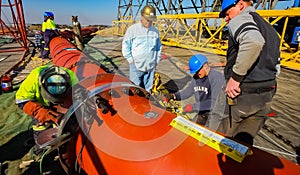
{"points": [[205, 87], [250, 71], [49, 31]]}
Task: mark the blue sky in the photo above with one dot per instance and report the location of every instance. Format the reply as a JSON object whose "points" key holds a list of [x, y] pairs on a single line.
{"points": [[88, 11]]}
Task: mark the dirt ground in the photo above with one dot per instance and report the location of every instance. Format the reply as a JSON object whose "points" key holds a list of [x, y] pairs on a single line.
{"points": [[280, 136]]}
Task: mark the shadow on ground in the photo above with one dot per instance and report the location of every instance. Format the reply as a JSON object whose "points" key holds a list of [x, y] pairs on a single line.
{"points": [[19, 148]]}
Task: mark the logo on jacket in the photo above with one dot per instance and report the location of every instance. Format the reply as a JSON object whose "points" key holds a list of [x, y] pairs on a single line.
{"points": [[201, 88]]}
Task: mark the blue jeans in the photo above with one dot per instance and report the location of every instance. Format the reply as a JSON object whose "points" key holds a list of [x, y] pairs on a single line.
{"points": [[140, 78]]}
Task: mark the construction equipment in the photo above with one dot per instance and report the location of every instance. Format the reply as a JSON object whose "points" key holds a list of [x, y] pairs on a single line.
{"points": [[12, 24]]}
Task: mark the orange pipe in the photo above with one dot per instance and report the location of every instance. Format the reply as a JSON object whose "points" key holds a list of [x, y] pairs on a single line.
{"points": [[134, 136], [67, 55]]}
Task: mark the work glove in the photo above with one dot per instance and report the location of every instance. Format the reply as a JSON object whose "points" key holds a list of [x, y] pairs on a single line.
{"points": [[188, 108], [40, 113], [61, 109], [168, 97], [45, 115]]}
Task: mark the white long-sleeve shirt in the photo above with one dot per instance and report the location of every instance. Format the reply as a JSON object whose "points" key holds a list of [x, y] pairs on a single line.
{"points": [[142, 46]]}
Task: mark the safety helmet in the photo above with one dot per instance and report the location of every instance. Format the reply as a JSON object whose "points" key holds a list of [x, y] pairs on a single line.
{"points": [[226, 5], [196, 62], [55, 83], [48, 14], [149, 12]]}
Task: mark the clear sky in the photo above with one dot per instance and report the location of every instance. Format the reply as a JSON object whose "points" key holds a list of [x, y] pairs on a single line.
{"points": [[89, 12]]}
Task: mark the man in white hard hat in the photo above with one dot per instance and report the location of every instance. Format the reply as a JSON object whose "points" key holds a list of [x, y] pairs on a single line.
{"points": [[141, 47]]}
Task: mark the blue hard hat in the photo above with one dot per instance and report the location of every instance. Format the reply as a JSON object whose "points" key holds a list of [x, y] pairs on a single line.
{"points": [[227, 4], [48, 14], [196, 62]]}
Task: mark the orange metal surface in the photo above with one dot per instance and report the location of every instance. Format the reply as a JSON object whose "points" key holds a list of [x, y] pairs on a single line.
{"points": [[125, 140], [67, 55]]}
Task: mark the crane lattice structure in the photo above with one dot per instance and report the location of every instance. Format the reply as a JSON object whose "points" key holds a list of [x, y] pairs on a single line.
{"points": [[195, 24], [266, 4], [129, 9], [12, 24]]}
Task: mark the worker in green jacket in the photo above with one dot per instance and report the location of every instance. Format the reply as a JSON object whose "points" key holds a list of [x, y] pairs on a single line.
{"points": [[43, 92]]}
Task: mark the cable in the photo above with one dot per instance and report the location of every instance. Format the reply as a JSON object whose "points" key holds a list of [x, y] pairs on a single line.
{"points": [[41, 161], [287, 152], [272, 150], [275, 143]]}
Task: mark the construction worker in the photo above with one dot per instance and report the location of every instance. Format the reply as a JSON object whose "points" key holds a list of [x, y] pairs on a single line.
{"points": [[141, 47], [250, 71], [49, 31], [205, 86], [44, 90]]}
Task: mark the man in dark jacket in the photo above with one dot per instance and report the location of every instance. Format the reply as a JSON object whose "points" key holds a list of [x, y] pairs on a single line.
{"points": [[250, 71]]}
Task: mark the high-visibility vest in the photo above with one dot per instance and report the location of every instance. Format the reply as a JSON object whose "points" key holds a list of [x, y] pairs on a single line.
{"points": [[30, 89], [48, 25]]}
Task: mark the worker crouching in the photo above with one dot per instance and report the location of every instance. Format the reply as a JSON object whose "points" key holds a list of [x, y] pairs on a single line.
{"points": [[43, 95], [206, 85]]}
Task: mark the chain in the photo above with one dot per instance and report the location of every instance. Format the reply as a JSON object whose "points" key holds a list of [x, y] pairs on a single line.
{"points": [[279, 136]]}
